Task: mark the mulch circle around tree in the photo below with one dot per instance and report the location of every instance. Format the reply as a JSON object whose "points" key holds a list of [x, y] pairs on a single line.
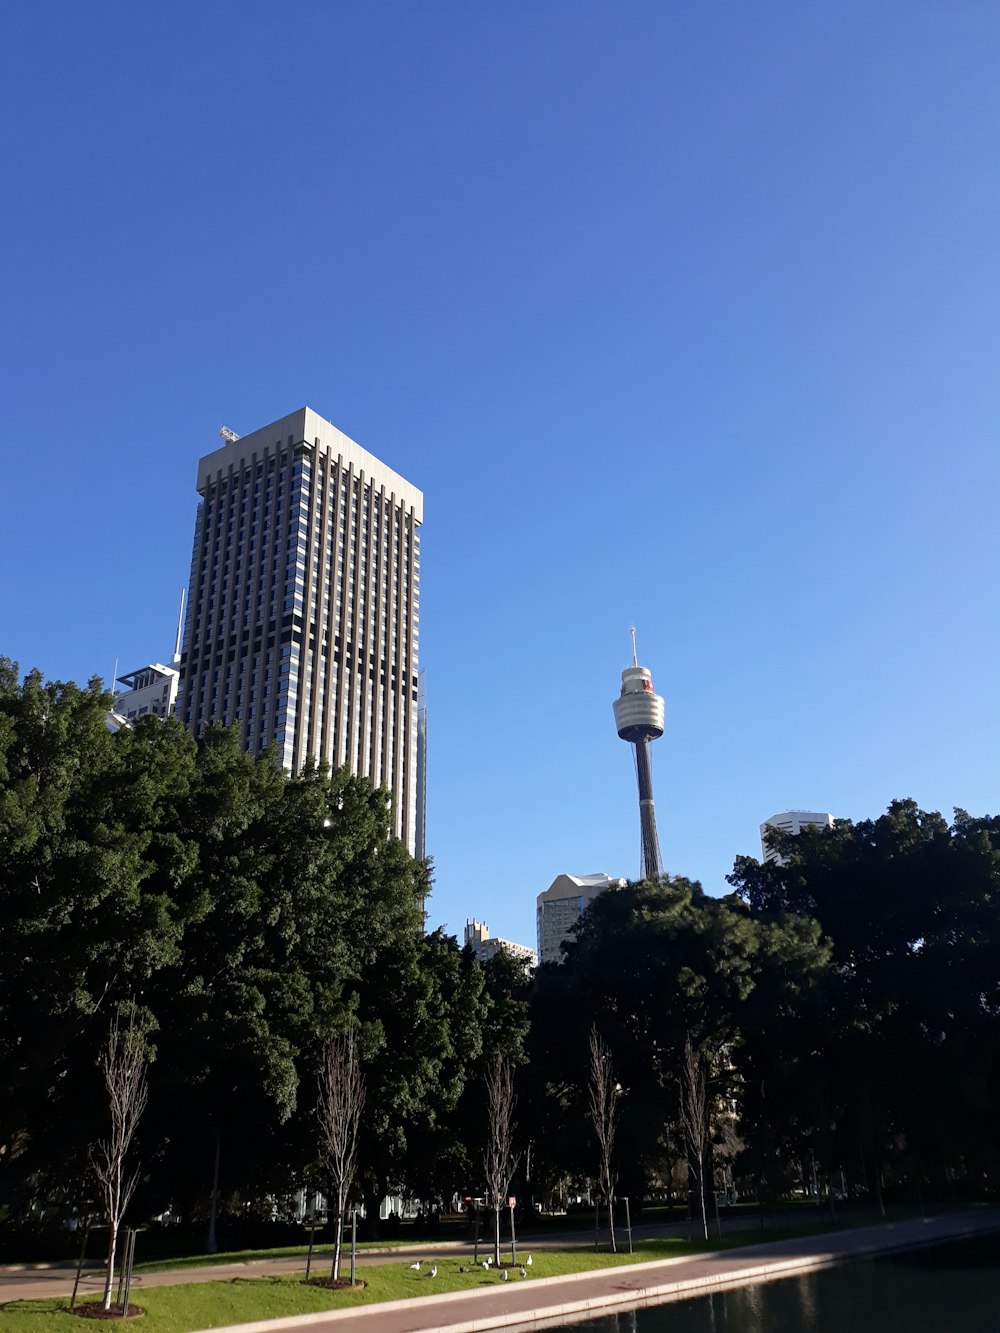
{"points": [[333, 1283], [95, 1310]]}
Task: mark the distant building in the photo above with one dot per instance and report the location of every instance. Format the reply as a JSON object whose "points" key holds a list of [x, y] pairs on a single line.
{"points": [[560, 907], [149, 691], [790, 821], [484, 946]]}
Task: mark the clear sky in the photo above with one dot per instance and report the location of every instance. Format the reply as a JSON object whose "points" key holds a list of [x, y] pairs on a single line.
{"points": [[682, 314]]}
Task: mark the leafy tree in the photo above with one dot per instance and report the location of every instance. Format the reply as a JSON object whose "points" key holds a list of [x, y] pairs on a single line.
{"points": [[907, 1040], [86, 908]]}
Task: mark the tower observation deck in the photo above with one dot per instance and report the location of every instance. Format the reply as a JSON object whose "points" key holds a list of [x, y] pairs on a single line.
{"points": [[639, 715]]}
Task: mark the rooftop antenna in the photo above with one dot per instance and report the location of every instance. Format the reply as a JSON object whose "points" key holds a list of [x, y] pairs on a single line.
{"points": [[635, 659], [180, 627], [114, 680], [228, 435]]}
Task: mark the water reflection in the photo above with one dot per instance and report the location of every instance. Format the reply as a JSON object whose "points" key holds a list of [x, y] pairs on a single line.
{"points": [[950, 1289]]}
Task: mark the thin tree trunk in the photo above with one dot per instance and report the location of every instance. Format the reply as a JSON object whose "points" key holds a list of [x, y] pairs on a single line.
{"points": [[338, 1241], [109, 1277], [701, 1198]]}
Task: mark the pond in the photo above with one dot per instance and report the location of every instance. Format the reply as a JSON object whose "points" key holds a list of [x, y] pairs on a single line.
{"points": [[949, 1289]]}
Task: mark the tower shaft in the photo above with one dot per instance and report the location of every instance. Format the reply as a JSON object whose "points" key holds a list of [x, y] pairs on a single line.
{"points": [[651, 867]]}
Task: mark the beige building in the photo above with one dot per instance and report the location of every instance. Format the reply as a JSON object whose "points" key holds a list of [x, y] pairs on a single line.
{"points": [[303, 609], [484, 945], [560, 907]]}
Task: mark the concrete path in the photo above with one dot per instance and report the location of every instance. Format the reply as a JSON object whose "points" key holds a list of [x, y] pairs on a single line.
{"points": [[533, 1304]]}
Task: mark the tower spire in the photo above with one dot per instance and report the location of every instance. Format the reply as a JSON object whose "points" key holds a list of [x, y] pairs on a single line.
{"points": [[180, 629]]}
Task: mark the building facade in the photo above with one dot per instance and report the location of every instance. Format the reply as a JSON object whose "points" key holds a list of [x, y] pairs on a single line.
{"points": [[484, 945], [150, 690], [302, 624], [560, 907], [790, 821]]}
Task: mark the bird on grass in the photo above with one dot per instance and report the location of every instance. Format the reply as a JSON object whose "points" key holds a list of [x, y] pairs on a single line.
{"points": [[461, 1268], [416, 1266], [505, 1276], [484, 1263], [434, 1271], [528, 1261], [524, 1271]]}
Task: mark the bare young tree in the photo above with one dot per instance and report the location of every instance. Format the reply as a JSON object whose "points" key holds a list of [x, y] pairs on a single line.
{"points": [[123, 1060], [499, 1161], [341, 1102], [694, 1118], [604, 1108]]}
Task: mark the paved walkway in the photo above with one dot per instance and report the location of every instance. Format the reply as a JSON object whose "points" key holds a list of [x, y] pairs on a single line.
{"points": [[528, 1304]]}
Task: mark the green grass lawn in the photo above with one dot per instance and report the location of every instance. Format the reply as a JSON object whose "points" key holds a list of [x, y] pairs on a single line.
{"points": [[199, 1305], [250, 1256]]}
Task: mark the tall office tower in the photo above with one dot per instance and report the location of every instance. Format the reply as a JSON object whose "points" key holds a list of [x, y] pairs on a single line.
{"points": [[790, 821], [303, 609], [639, 719]]}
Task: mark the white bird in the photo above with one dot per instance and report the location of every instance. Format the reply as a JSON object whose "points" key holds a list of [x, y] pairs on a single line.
{"points": [[484, 1263], [416, 1266], [433, 1272], [504, 1276], [528, 1261], [524, 1271]]}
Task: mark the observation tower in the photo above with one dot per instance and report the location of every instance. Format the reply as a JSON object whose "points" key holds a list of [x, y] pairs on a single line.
{"points": [[639, 719]]}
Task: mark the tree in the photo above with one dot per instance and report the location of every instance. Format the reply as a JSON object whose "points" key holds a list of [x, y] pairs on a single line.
{"points": [[341, 1101], [897, 1067], [124, 1064], [694, 1118], [91, 903], [499, 1160], [604, 1093]]}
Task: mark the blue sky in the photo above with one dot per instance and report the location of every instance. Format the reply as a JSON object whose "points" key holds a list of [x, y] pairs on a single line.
{"points": [[683, 315]]}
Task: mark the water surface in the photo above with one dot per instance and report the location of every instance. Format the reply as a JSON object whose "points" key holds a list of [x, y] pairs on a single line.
{"points": [[952, 1288]]}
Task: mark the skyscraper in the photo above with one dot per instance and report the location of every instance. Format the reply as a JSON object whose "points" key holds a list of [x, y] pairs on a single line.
{"points": [[304, 600]]}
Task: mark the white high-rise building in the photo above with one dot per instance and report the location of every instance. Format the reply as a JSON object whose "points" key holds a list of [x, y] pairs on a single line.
{"points": [[790, 821], [560, 907], [303, 606], [150, 690]]}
